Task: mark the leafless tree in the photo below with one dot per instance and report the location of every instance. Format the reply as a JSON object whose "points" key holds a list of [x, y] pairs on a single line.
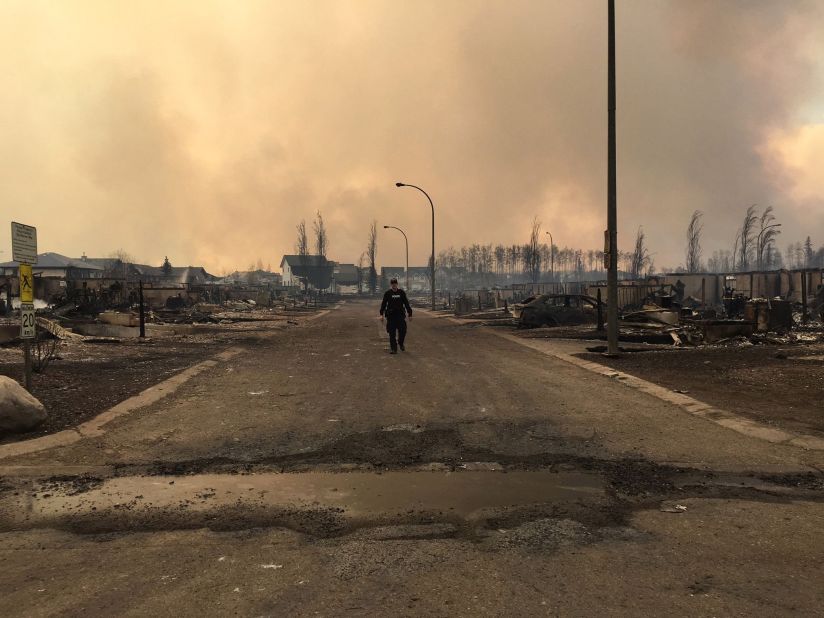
{"points": [[252, 276], [321, 236], [361, 261], [302, 244], [694, 230], [746, 238], [372, 254], [767, 234], [640, 258], [302, 249], [532, 251], [809, 254], [500, 259]]}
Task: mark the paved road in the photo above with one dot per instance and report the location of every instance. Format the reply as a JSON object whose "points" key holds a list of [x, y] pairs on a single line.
{"points": [[315, 474]]}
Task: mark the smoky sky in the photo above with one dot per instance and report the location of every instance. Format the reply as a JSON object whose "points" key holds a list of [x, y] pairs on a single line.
{"points": [[206, 131]]}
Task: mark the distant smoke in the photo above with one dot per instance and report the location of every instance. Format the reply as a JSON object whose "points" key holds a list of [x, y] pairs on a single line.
{"points": [[207, 131]]}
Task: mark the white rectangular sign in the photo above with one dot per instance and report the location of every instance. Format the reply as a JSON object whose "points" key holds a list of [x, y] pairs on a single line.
{"points": [[27, 321], [23, 243]]}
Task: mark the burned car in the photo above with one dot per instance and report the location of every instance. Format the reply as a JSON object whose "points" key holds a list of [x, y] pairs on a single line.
{"points": [[557, 310]]}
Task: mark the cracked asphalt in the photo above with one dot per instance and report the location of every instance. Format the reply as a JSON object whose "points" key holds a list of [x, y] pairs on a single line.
{"points": [[315, 474]]}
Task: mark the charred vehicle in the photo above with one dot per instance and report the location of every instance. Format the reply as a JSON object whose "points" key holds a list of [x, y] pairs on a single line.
{"points": [[556, 310]]}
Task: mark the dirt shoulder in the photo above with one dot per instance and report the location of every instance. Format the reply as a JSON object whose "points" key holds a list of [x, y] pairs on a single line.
{"points": [[87, 377], [779, 386]]}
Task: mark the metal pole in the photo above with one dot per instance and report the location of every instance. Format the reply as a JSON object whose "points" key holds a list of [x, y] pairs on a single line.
{"points": [[142, 311], [432, 259], [612, 199], [386, 227], [552, 256], [804, 314], [27, 363]]}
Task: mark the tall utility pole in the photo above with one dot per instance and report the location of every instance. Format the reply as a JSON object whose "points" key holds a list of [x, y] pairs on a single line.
{"points": [[612, 194]]}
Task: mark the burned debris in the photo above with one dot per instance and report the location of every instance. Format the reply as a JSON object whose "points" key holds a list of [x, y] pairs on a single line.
{"points": [[682, 309]]}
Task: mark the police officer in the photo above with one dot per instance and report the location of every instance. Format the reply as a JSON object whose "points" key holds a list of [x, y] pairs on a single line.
{"points": [[394, 308]]}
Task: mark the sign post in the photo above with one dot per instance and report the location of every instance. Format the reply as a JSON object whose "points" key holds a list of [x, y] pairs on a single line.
{"points": [[24, 252]]}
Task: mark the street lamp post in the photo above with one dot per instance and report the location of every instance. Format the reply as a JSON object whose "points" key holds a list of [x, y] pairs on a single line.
{"points": [[387, 227], [432, 259], [552, 256]]}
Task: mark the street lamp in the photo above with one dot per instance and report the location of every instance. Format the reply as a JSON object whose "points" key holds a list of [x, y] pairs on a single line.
{"points": [[387, 227], [432, 259], [552, 255], [758, 246]]}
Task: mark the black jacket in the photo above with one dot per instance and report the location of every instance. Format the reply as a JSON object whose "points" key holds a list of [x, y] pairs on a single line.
{"points": [[394, 303]]}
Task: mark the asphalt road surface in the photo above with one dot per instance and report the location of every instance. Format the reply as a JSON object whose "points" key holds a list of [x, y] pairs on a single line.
{"points": [[315, 474]]}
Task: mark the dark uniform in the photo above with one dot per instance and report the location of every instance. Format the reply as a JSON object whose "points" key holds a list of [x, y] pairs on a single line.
{"points": [[394, 307]]}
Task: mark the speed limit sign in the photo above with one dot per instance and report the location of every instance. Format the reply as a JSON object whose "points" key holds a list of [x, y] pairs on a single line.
{"points": [[27, 321]]}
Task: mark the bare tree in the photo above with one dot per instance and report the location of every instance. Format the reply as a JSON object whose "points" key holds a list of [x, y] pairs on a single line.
{"points": [[302, 249], [372, 254], [746, 238], [767, 234], [302, 244], [809, 254], [361, 260], [640, 258], [252, 277], [321, 237], [694, 230], [532, 252]]}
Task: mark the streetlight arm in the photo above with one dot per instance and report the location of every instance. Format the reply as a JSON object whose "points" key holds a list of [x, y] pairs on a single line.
{"points": [[432, 259], [403, 184], [406, 241], [392, 227]]}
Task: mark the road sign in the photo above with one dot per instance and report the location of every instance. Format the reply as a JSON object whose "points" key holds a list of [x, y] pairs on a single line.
{"points": [[23, 243], [26, 284], [27, 321]]}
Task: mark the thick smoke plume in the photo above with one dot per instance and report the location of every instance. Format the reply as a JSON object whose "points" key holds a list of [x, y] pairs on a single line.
{"points": [[206, 131]]}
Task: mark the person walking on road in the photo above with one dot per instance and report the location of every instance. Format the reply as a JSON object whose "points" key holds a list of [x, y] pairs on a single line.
{"points": [[394, 309]]}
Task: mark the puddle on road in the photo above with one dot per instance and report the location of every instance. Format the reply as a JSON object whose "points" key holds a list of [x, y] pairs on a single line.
{"points": [[357, 494]]}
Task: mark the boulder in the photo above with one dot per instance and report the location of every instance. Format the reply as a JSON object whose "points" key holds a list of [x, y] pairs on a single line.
{"points": [[19, 410]]}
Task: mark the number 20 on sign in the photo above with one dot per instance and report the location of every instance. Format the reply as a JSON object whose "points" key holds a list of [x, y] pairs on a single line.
{"points": [[27, 321]]}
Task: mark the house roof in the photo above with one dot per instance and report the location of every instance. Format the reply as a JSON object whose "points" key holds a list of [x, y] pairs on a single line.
{"points": [[55, 260], [394, 270], [315, 268], [303, 260]]}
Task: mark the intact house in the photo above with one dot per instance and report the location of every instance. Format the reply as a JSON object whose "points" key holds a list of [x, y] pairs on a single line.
{"points": [[310, 272], [347, 279], [392, 272], [418, 277]]}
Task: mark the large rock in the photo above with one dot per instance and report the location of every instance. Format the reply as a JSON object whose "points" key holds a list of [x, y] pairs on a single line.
{"points": [[19, 410]]}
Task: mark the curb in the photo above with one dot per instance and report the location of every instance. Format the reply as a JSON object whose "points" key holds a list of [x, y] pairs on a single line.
{"points": [[94, 426], [724, 418]]}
